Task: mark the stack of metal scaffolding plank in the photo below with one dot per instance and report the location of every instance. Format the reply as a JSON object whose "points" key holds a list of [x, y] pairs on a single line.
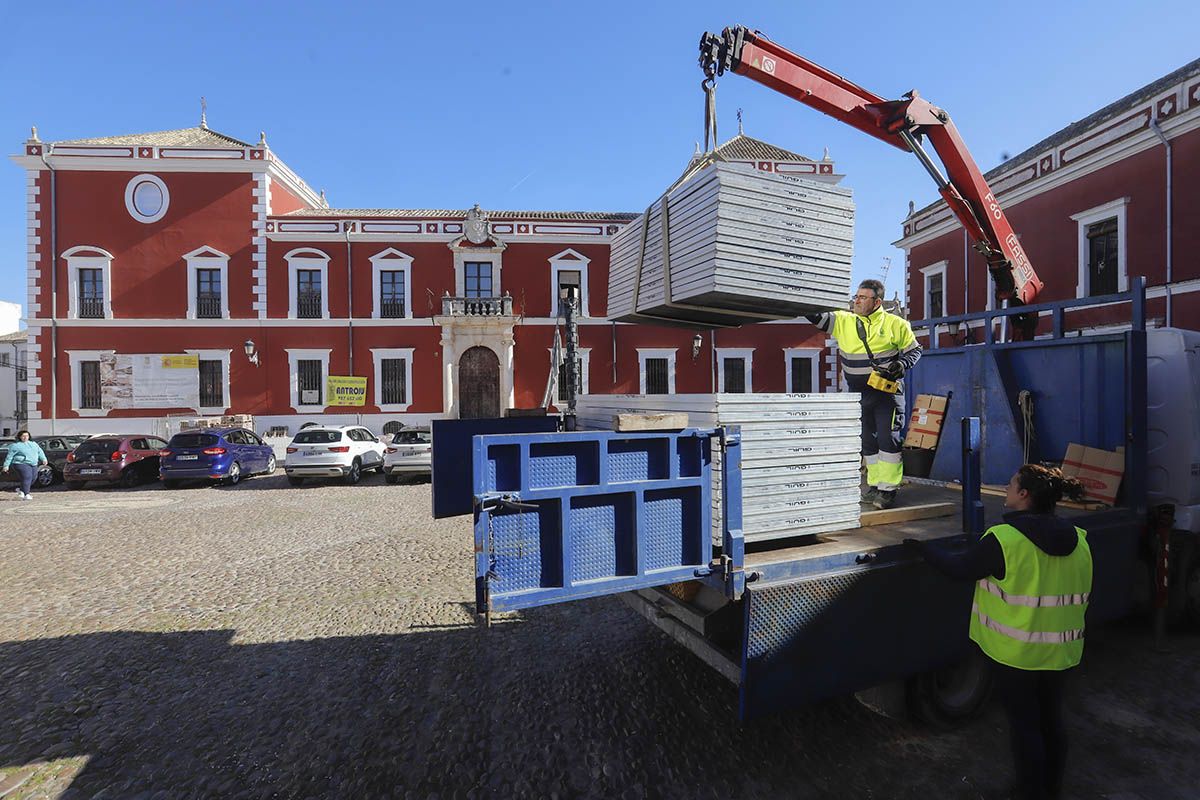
{"points": [[800, 454], [736, 245]]}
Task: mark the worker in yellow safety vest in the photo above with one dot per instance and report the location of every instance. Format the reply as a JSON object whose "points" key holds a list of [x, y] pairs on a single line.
{"points": [[1033, 578], [875, 349]]}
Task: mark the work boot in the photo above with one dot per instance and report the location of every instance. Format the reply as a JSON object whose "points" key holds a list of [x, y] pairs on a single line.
{"points": [[884, 500], [869, 494]]}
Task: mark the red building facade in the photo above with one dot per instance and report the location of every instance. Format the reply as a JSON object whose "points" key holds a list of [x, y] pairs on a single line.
{"points": [[1109, 197], [190, 242]]}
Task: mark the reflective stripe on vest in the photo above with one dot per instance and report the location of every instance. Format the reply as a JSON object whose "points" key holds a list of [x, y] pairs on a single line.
{"points": [[1033, 618]]}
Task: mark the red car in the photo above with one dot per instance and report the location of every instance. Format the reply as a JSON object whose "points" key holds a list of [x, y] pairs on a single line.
{"points": [[128, 460]]}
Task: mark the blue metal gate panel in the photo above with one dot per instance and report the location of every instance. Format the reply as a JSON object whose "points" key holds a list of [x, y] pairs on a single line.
{"points": [[565, 516], [451, 456]]}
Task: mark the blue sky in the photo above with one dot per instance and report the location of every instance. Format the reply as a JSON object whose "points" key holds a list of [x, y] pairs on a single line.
{"points": [[548, 106]]}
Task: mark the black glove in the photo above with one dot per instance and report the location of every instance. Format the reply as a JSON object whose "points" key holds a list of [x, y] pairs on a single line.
{"points": [[814, 318], [893, 370]]}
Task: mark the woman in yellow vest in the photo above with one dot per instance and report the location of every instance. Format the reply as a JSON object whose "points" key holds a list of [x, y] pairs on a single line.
{"points": [[1033, 578]]}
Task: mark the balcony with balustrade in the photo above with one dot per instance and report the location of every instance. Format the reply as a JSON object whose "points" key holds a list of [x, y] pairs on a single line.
{"points": [[477, 306]]}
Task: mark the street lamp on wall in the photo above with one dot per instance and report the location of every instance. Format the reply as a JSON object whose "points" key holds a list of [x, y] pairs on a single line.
{"points": [[697, 340], [250, 352]]}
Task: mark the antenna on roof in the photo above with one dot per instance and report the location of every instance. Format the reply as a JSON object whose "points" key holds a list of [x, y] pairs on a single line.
{"points": [[203, 113], [740, 131]]}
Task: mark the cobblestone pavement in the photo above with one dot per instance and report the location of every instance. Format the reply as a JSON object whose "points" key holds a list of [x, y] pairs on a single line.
{"points": [[268, 641]]}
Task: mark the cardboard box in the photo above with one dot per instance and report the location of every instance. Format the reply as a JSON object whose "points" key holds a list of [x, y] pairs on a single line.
{"points": [[925, 424], [1100, 471]]}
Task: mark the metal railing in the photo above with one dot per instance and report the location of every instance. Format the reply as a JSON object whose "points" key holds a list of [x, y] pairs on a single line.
{"points": [[308, 305], [477, 306], [91, 308], [391, 309], [208, 306]]}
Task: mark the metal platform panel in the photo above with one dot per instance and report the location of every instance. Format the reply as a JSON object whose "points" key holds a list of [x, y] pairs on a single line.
{"points": [[567, 516], [451, 477]]}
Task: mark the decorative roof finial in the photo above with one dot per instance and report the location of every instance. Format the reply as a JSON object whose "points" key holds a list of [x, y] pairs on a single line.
{"points": [[203, 113], [826, 156], [912, 208], [33, 137], [740, 131], [262, 138], [697, 152], [324, 202]]}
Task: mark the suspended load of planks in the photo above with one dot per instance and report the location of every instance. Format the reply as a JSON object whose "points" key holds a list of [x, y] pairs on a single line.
{"points": [[731, 245], [800, 454]]}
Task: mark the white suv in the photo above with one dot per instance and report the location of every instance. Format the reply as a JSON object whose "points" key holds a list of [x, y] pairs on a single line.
{"points": [[333, 452], [410, 452]]}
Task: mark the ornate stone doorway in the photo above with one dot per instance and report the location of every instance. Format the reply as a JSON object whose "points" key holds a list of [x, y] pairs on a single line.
{"points": [[478, 384]]}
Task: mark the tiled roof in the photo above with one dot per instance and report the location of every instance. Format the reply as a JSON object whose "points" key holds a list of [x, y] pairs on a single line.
{"points": [[183, 137], [1114, 109], [744, 147], [18, 336], [442, 213]]}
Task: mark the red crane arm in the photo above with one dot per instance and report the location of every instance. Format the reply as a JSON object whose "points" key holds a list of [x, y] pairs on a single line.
{"points": [[898, 123]]}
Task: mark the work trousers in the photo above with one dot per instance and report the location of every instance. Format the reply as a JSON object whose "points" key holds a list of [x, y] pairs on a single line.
{"points": [[882, 418], [26, 472], [1033, 702]]}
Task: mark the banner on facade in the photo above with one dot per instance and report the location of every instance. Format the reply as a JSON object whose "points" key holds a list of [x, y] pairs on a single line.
{"points": [[149, 380], [345, 390]]}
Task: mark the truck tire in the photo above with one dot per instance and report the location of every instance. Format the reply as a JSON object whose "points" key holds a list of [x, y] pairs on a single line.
{"points": [[949, 697]]}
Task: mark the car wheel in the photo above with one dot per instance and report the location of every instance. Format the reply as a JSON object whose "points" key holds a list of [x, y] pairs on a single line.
{"points": [[45, 477], [355, 474], [170, 483], [234, 475], [130, 478], [392, 478], [270, 470], [294, 481], [75, 484]]}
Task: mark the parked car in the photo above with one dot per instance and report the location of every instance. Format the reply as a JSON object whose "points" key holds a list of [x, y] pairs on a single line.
{"points": [[409, 453], [126, 459], [44, 477], [217, 454], [333, 452]]}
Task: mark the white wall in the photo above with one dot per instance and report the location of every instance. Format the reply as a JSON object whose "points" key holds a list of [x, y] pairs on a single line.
{"points": [[10, 317]]}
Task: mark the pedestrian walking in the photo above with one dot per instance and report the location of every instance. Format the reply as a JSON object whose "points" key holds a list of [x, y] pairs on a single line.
{"points": [[25, 456], [1033, 578]]}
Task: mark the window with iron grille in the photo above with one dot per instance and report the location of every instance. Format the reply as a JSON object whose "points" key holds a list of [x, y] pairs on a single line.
{"points": [[937, 297], [212, 388], [308, 293], [91, 293], [1102, 244], [562, 380], [89, 384], [391, 294], [801, 375], [309, 381], [568, 279], [657, 379], [735, 375], [477, 279], [208, 294], [394, 376]]}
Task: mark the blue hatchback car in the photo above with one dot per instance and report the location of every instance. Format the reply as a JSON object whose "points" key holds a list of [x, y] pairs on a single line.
{"points": [[217, 454]]}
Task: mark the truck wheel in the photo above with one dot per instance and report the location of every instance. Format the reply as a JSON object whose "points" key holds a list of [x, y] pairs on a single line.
{"points": [[951, 696]]}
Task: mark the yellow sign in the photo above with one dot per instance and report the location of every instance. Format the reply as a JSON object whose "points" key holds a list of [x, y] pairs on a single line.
{"points": [[345, 390], [181, 362]]}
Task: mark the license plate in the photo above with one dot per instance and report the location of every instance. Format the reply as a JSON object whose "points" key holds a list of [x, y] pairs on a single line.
{"points": [[186, 458], [90, 471], [312, 453]]}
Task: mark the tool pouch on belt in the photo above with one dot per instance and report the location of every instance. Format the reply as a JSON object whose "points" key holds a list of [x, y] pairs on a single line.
{"points": [[876, 380]]}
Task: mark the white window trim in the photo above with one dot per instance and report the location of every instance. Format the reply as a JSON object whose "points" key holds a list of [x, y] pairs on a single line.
{"points": [[76, 358], [585, 357], [378, 354], [667, 353], [463, 254], [87, 257], [735, 352], [295, 356], [1113, 208], [571, 261], [307, 258], [223, 357], [207, 258], [387, 261], [132, 209], [928, 272], [813, 353]]}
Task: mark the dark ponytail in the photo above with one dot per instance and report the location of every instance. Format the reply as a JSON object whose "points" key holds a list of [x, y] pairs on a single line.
{"points": [[1046, 486]]}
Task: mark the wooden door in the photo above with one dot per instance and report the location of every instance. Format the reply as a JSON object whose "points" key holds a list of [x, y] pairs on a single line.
{"points": [[478, 384]]}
